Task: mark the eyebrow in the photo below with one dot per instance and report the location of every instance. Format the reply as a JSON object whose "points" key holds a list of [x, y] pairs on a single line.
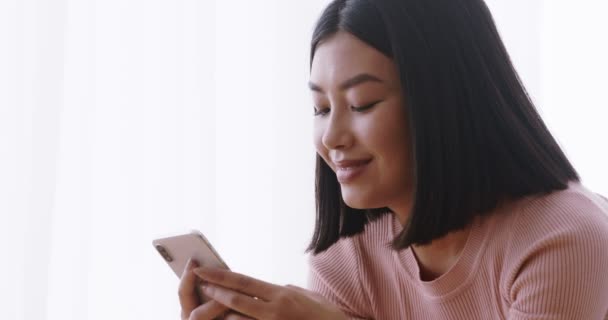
{"points": [[354, 81]]}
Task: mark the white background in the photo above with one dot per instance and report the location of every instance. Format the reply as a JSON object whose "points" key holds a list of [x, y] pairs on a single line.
{"points": [[125, 120]]}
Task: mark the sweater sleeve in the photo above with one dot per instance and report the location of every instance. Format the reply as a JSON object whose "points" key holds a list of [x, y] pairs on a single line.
{"points": [[334, 274], [560, 269]]}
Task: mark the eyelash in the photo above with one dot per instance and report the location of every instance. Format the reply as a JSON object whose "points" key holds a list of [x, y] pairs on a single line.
{"points": [[356, 109]]}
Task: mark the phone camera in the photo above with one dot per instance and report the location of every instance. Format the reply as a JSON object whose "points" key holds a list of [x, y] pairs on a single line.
{"points": [[163, 252]]}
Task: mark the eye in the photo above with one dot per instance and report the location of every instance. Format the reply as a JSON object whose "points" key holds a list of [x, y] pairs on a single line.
{"points": [[365, 107], [323, 111], [320, 111]]}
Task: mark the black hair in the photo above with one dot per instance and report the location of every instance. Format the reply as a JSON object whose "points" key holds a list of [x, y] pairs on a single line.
{"points": [[476, 137]]}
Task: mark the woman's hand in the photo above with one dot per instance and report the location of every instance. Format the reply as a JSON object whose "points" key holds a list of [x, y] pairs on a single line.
{"points": [[190, 301], [250, 298]]}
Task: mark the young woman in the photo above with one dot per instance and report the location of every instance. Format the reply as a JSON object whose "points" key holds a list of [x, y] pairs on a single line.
{"points": [[440, 192]]}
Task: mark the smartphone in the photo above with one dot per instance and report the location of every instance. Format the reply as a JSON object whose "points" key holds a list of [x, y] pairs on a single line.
{"points": [[176, 250]]}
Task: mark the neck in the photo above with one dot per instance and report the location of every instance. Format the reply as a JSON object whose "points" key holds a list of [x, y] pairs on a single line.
{"points": [[441, 254]]}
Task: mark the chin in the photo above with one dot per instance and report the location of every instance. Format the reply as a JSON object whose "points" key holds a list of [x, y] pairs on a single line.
{"points": [[357, 200]]}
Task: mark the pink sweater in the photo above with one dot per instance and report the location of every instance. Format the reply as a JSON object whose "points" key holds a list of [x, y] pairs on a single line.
{"points": [[542, 257]]}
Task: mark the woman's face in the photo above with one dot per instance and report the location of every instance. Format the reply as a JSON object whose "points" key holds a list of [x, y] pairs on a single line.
{"points": [[360, 124]]}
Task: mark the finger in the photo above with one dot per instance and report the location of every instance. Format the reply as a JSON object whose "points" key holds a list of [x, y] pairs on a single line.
{"points": [[239, 282], [237, 301], [208, 311], [188, 298], [237, 316]]}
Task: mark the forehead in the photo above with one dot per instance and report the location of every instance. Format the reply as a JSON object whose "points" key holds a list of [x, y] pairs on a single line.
{"points": [[343, 55]]}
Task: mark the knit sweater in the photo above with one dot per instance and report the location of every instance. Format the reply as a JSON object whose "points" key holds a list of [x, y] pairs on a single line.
{"points": [[540, 257]]}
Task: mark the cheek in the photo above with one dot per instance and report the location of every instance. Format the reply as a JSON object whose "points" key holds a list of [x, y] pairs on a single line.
{"points": [[317, 137], [387, 136], [316, 134], [377, 134]]}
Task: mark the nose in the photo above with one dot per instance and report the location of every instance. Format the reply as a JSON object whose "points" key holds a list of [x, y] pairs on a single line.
{"points": [[337, 133]]}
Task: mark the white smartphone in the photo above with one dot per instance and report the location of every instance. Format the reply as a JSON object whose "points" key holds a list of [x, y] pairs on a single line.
{"points": [[176, 250]]}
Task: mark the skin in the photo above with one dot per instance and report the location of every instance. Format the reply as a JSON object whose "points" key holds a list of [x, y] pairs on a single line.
{"points": [[233, 295], [380, 133]]}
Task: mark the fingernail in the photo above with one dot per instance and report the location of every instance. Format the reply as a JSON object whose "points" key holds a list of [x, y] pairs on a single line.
{"points": [[199, 272], [189, 263], [203, 272], [207, 289], [192, 263]]}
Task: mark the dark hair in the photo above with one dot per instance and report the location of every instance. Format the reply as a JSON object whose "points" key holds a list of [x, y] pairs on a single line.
{"points": [[476, 136]]}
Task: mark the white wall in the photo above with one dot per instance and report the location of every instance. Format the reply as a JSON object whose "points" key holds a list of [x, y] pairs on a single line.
{"points": [[574, 70], [121, 121], [559, 48]]}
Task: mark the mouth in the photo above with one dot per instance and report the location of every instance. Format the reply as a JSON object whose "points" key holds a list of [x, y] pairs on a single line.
{"points": [[349, 170]]}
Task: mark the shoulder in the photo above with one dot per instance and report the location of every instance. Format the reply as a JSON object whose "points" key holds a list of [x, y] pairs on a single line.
{"points": [[349, 252], [575, 213], [342, 255], [335, 275], [569, 219], [556, 253]]}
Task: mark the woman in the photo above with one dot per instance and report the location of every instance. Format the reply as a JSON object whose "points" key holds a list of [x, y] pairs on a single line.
{"points": [[440, 192]]}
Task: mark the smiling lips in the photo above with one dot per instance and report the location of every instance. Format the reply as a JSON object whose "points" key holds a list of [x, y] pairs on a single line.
{"points": [[349, 170]]}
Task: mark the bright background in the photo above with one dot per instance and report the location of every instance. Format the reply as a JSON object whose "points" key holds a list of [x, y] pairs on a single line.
{"points": [[125, 120]]}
